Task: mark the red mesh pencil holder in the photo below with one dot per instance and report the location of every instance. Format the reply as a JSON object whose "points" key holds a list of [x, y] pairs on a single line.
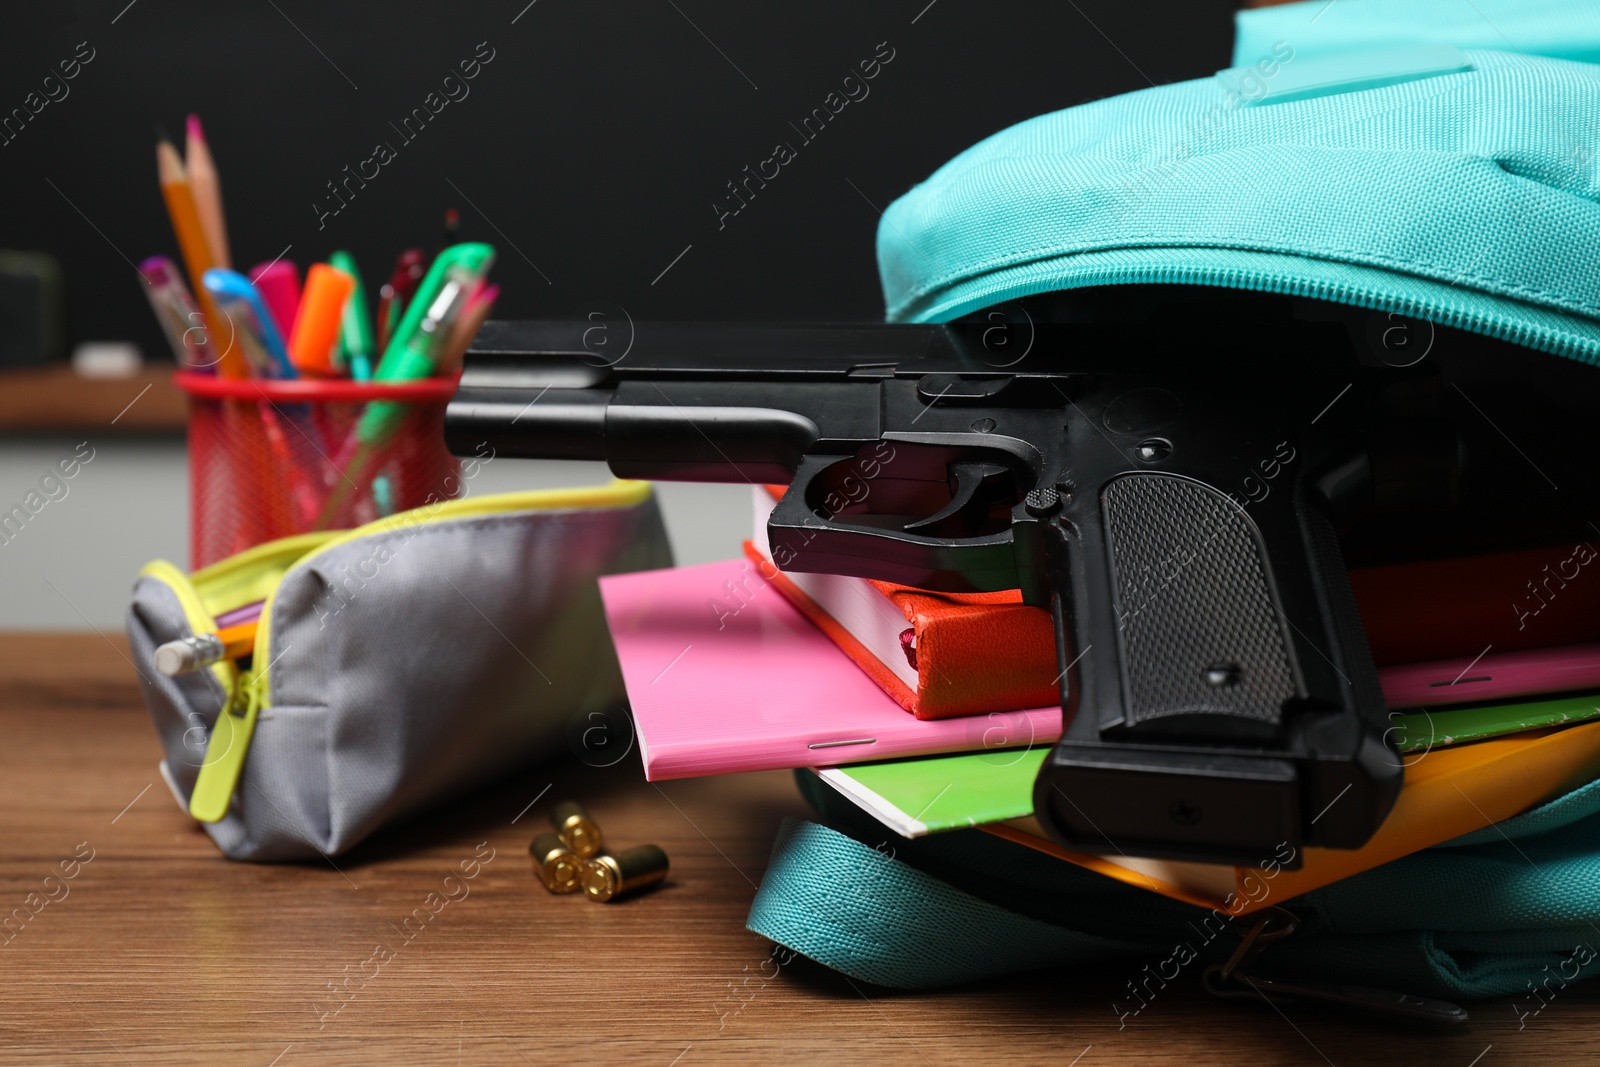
{"points": [[268, 459]]}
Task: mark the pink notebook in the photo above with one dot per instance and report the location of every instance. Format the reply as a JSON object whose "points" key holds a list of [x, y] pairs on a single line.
{"points": [[724, 675], [1492, 676]]}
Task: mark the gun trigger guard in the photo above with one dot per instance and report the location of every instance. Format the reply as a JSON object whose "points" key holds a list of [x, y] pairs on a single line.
{"points": [[812, 540]]}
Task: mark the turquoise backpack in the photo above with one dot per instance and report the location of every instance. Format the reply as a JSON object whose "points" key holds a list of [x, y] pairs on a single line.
{"points": [[1437, 159]]}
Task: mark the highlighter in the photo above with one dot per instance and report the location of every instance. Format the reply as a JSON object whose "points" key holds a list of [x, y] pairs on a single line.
{"points": [[316, 327], [278, 283], [413, 353], [249, 325], [418, 355], [356, 342]]}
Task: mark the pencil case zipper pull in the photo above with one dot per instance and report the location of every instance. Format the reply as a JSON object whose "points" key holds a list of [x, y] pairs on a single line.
{"points": [[1236, 979], [226, 750]]}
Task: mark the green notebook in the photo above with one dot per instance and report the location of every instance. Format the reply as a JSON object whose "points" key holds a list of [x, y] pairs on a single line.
{"points": [[1436, 728], [926, 794], [920, 796]]}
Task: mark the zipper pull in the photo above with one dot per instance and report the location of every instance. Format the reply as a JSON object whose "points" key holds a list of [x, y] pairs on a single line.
{"points": [[225, 752], [1381, 1001], [1232, 980]]}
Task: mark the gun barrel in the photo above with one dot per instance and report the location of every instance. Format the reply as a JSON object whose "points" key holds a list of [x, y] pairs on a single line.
{"points": [[552, 424], [679, 443], [666, 440]]}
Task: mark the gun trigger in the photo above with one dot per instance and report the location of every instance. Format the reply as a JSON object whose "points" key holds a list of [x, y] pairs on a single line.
{"points": [[978, 485]]}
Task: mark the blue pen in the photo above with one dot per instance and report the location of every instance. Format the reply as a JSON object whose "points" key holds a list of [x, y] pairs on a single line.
{"points": [[250, 325], [251, 328]]}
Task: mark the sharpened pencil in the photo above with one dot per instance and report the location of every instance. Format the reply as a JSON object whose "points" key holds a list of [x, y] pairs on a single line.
{"points": [[207, 189], [194, 247]]}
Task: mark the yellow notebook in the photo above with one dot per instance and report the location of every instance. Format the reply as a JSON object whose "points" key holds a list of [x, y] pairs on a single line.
{"points": [[1448, 792]]}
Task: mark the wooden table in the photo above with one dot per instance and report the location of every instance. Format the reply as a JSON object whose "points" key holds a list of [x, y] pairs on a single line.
{"points": [[162, 952], [54, 399]]}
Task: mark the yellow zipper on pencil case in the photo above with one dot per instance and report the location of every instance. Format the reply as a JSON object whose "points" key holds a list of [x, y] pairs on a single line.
{"points": [[264, 568], [240, 579], [200, 618], [229, 584]]}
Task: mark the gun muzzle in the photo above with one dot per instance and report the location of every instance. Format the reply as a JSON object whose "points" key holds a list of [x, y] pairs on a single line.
{"points": [[555, 424]]}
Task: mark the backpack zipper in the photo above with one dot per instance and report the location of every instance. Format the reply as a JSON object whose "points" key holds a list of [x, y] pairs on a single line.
{"points": [[1238, 978], [920, 308]]}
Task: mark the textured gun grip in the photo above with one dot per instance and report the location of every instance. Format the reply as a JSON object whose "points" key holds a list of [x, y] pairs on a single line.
{"points": [[1200, 629], [1346, 631]]}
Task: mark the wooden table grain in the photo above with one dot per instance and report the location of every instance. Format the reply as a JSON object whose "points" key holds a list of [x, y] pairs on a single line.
{"points": [[158, 951], [55, 399]]}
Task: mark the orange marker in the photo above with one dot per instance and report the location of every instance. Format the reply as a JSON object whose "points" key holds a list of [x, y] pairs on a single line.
{"points": [[316, 325], [196, 254]]}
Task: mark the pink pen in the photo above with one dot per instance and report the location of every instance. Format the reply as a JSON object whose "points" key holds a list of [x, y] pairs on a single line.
{"points": [[278, 283], [247, 613], [178, 314]]}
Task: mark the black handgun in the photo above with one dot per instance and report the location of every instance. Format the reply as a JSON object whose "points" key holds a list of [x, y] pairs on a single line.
{"points": [[1171, 500]]}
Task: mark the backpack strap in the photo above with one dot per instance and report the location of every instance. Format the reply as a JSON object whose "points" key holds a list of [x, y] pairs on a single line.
{"points": [[865, 913]]}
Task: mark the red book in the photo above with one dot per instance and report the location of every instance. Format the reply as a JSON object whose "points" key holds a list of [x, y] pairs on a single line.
{"points": [[1509, 601], [944, 654], [937, 654]]}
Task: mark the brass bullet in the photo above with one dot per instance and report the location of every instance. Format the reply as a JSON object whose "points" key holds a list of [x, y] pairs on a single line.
{"points": [[608, 877], [576, 828], [557, 866]]}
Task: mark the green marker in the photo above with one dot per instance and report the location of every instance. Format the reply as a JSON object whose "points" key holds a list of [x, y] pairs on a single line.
{"points": [[413, 351], [356, 340], [412, 354]]}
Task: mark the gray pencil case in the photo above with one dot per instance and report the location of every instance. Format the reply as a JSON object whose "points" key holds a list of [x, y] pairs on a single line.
{"points": [[393, 665]]}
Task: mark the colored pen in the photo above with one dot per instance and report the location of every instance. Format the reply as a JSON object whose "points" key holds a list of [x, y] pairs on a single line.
{"points": [[465, 329], [253, 328], [177, 313], [196, 251], [392, 298], [383, 495], [356, 341], [248, 613], [202, 650], [412, 353], [418, 340], [381, 418], [207, 192], [278, 283], [316, 328]]}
